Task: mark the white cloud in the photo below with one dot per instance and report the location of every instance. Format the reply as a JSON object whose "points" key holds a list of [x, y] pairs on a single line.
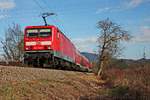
{"points": [[108, 9], [7, 4], [144, 36], [128, 4], [135, 3], [3, 16], [84, 44], [100, 10]]}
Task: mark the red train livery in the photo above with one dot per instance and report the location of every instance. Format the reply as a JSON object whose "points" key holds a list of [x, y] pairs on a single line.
{"points": [[47, 46]]}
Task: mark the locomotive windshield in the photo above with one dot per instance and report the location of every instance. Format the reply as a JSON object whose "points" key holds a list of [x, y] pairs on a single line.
{"points": [[38, 32], [32, 33], [44, 32]]}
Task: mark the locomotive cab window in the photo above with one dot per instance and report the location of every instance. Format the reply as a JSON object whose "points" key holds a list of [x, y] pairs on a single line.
{"points": [[44, 32], [38, 32], [32, 33]]}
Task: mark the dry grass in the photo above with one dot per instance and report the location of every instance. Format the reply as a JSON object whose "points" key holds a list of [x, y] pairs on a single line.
{"points": [[132, 82], [125, 84], [18, 83]]}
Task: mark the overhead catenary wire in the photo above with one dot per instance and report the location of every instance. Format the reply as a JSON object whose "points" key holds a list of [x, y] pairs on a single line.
{"points": [[21, 14], [38, 4], [41, 7], [55, 19]]}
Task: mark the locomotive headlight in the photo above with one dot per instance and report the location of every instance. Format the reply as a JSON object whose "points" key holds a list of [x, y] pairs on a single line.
{"points": [[27, 48], [49, 47]]}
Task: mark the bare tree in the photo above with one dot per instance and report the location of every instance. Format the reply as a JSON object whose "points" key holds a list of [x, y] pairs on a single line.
{"points": [[13, 43], [109, 40]]}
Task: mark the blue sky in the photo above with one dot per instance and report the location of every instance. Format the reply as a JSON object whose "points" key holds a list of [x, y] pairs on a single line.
{"points": [[78, 20]]}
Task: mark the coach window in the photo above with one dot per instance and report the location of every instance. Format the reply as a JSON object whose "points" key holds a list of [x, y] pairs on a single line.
{"points": [[58, 33]]}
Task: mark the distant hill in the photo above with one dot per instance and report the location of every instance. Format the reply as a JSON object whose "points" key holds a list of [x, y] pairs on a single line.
{"points": [[129, 63], [91, 56], [121, 63]]}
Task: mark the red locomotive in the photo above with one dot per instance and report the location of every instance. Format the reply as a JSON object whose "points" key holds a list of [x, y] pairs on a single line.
{"points": [[47, 46]]}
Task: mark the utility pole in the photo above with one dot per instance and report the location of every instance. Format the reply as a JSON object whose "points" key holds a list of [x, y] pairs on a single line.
{"points": [[144, 54], [44, 15]]}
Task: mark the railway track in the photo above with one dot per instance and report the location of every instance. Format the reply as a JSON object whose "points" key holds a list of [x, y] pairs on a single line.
{"points": [[59, 67]]}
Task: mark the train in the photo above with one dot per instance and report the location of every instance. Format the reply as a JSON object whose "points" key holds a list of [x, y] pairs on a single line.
{"points": [[47, 46]]}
